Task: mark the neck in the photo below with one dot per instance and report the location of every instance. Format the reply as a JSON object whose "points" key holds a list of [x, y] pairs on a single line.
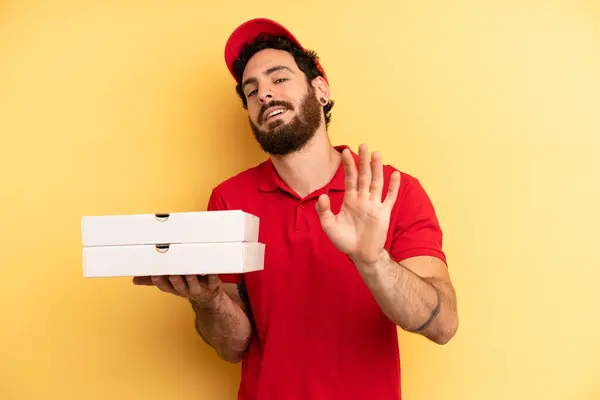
{"points": [[310, 168]]}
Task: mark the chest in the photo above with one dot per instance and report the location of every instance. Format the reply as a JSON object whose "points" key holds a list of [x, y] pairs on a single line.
{"points": [[305, 278], [299, 257]]}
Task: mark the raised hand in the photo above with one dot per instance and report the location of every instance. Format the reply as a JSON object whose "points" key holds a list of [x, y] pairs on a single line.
{"points": [[360, 228], [201, 289]]}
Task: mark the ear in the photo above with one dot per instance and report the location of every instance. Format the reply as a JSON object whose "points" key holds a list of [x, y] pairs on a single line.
{"points": [[321, 89]]}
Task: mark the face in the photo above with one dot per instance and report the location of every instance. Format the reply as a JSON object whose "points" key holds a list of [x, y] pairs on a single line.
{"points": [[283, 108]]}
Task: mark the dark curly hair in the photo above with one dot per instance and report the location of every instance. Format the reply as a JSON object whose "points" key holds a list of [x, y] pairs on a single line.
{"points": [[305, 59]]}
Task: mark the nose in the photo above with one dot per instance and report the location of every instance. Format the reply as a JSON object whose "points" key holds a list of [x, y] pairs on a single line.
{"points": [[264, 94]]}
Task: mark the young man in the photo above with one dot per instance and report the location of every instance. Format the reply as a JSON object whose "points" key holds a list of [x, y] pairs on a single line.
{"points": [[353, 247]]}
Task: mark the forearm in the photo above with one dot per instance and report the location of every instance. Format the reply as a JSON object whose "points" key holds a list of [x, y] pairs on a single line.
{"points": [[224, 326], [410, 301]]}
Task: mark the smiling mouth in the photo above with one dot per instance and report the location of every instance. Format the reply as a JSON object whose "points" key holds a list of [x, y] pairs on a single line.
{"points": [[275, 113]]}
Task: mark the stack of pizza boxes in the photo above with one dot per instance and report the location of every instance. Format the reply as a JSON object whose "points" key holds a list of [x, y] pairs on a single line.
{"points": [[186, 243]]}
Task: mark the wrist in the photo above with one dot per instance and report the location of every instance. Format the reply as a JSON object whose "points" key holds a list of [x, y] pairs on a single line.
{"points": [[375, 264], [207, 303]]}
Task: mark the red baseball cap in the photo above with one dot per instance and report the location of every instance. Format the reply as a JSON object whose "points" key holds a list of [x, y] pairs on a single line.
{"points": [[249, 30]]}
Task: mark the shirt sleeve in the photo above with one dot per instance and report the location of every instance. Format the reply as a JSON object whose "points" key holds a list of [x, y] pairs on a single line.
{"points": [[216, 202], [416, 230]]}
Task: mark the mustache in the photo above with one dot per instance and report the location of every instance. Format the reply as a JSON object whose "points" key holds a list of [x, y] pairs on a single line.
{"points": [[273, 103]]}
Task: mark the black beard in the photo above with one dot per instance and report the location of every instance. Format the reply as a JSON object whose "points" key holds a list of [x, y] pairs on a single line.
{"points": [[282, 139]]}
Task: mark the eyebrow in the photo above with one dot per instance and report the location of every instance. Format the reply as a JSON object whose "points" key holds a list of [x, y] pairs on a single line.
{"points": [[267, 72]]}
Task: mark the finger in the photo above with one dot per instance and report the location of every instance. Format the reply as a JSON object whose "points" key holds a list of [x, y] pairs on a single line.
{"points": [[202, 279], [364, 169], [180, 285], [324, 209], [393, 188], [142, 281], [377, 176], [213, 282], [164, 285], [349, 171], [195, 287]]}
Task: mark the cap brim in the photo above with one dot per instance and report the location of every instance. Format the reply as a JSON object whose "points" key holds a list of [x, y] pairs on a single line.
{"points": [[250, 30]]}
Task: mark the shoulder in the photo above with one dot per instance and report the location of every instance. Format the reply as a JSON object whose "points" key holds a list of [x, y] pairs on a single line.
{"points": [[413, 203], [240, 184], [411, 189], [248, 178], [409, 184]]}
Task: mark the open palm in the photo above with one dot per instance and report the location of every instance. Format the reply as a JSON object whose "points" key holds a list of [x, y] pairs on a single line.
{"points": [[360, 228]]}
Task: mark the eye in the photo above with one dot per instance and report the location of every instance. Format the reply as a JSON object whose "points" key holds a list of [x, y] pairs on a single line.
{"points": [[280, 80], [252, 93]]}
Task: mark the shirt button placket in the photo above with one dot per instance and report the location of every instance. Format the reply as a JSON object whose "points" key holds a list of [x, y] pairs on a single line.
{"points": [[299, 217]]}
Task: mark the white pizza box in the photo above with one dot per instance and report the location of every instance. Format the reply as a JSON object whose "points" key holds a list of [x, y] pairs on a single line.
{"points": [[184, 227], [173, 259]]}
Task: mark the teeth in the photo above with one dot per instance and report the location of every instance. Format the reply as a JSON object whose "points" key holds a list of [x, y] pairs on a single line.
{"points": [[271, 114]]}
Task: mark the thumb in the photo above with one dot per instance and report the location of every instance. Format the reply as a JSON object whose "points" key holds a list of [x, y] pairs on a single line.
{"points": [[324, 209]]}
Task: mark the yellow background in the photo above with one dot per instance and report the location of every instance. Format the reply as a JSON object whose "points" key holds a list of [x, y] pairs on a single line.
{"points": [[127, 107]]}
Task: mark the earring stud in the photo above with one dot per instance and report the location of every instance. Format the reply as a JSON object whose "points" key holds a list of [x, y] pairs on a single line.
{"points": [[323, 100]]}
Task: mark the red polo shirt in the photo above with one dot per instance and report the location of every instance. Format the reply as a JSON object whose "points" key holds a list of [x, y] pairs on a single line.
{"points": [[318, 333]]}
